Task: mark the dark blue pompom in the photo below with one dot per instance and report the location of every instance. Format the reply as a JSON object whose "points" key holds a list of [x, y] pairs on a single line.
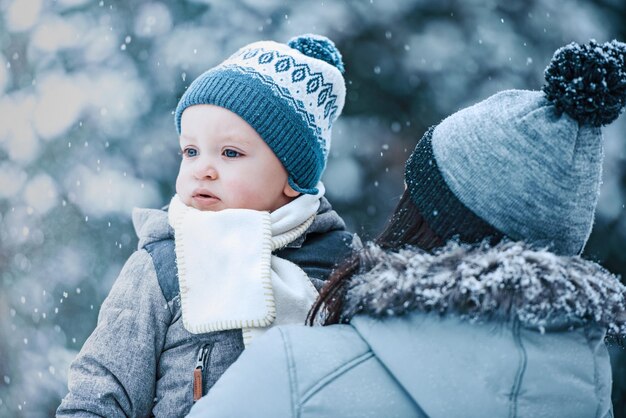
{"points": [[320, 47], [588, 82]]}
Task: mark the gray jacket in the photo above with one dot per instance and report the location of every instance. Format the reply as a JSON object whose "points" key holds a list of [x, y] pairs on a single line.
{"points": [[505, 331], [140, 360]]}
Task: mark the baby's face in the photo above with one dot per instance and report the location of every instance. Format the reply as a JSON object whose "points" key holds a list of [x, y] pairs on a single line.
{"points": [[226, 165]]}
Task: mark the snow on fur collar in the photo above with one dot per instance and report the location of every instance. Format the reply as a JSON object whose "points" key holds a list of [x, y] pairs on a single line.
{"points": [[507, 281]]}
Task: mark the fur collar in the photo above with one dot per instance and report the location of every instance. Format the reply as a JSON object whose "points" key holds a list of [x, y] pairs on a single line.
{"points": [[508, 281]]}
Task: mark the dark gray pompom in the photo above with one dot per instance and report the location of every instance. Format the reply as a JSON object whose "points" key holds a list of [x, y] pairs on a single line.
{"points": [[588, 82]]}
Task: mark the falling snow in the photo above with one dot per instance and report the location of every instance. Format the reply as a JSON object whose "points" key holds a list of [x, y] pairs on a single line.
{"points": [[87, 92]]}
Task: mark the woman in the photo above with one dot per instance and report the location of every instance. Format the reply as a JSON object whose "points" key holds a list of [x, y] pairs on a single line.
{"points": [[503, 320]]}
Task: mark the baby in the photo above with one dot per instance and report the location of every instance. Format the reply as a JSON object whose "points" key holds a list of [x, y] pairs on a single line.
{"points": [[244, 245]]}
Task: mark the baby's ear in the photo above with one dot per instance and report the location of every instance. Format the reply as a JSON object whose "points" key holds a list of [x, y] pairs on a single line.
{"points": [[289, 191]]}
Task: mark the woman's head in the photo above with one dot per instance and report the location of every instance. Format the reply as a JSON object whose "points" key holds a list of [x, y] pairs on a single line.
{"points": [[521, 164], [524, 164]]}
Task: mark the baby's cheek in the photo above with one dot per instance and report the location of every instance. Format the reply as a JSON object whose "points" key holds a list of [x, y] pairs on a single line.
{"points": [[183, 188], [178, 184], [246, 194], [242, 187]]}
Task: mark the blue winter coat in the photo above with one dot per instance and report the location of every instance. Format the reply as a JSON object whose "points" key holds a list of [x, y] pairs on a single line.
{"points": [[506, 331]]}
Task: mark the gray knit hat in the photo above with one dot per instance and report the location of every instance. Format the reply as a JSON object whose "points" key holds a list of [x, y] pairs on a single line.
{"points": [[524, 164]]}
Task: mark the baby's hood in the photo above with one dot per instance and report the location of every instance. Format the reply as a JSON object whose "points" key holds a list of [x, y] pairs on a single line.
{"points": [[151, 225]]}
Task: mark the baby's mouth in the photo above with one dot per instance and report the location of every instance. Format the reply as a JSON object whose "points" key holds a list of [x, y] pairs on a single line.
{"points": [[204, 200], [203, 194]]}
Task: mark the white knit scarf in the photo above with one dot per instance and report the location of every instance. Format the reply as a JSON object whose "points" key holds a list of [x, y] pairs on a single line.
{"points": [[227, 274]]}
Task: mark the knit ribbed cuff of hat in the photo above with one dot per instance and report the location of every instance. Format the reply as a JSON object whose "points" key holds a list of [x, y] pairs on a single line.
{"points": [[446, 215], [280, 126]]}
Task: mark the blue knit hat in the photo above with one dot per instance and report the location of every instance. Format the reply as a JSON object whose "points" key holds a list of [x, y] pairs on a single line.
{"points": [[289, 93], [524, 164]]}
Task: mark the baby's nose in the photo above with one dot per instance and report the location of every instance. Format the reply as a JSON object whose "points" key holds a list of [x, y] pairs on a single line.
{"points": [[206, 171]]}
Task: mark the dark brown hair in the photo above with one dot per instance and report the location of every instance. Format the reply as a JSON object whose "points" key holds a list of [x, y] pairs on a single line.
{"points": [[407, 226]]}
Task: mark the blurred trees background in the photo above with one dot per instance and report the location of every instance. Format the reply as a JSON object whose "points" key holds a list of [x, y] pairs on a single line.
{"points": [[87, 91]]}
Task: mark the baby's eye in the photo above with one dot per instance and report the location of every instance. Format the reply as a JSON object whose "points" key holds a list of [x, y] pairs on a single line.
{"points": [[230, 153], [190, 152]]}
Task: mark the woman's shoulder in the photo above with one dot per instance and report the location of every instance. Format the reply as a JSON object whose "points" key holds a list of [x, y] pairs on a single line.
{"points": [[315, 351], [280, 370]]}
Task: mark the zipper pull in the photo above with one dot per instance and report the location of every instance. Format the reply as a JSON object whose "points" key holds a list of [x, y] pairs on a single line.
{"points": [[197, 372]]}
